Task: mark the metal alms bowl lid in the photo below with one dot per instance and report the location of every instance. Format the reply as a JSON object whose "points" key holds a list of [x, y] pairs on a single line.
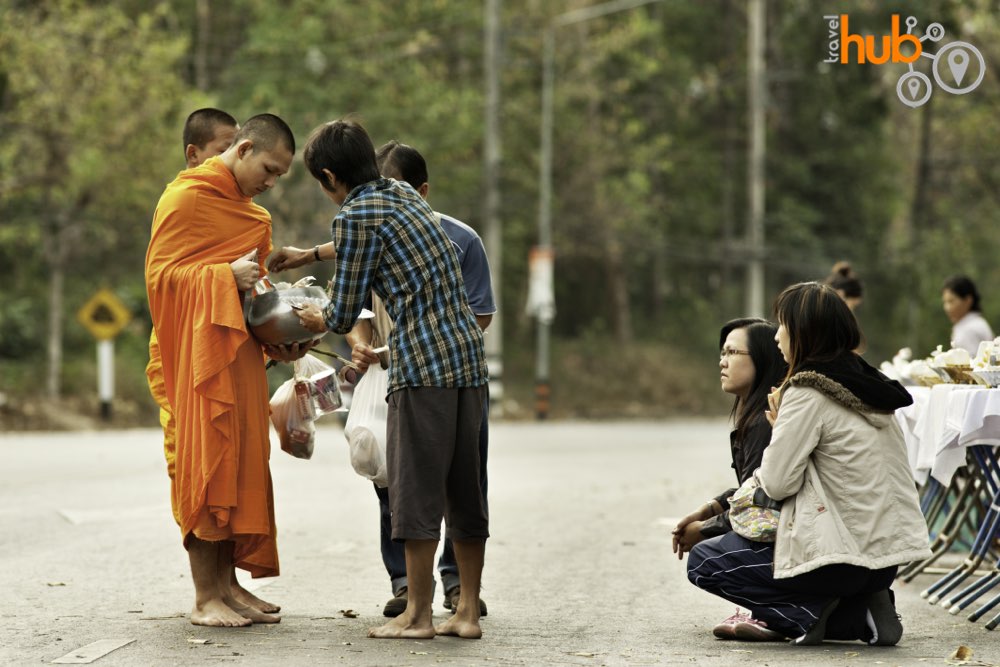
{"points": [[273, 321]]}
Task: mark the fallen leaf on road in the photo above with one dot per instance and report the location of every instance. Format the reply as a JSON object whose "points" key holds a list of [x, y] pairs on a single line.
{"points": [[345, 643], [851, 654], [55, 583], [418, 652], [584, 654], [349, 613], [199, 641], [963, 656]]}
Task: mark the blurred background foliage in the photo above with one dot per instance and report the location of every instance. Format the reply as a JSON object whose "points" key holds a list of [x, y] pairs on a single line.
{"points": [[650, 146]]}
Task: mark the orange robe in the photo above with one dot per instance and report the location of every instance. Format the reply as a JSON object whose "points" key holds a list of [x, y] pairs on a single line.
{"points": [[154, 376], [213, 370]]}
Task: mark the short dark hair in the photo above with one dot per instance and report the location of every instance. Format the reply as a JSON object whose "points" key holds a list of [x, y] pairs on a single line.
{"points": [[962, 286], [843, 279], [820, 326], [199, 128], [769, 369], [343, 147], [265, 131], [402, 162]]}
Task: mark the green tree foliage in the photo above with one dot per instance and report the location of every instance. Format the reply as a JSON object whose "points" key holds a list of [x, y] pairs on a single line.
{"points": [[650, 145], [88, 108]]}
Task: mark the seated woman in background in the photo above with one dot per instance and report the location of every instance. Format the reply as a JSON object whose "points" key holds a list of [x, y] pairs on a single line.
{"points": [[960, 299], [843, 279], [850, 513], [751, 365]]}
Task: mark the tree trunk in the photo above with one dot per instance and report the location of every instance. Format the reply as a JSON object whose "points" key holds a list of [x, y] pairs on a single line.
{"points": [[203, 31], [56, 281]]}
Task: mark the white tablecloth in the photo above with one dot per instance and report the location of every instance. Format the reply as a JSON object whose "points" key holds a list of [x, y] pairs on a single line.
{"points": [[942, 422]]}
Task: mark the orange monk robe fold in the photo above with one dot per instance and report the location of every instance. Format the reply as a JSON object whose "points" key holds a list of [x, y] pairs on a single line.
{"points": [[213, 370]]}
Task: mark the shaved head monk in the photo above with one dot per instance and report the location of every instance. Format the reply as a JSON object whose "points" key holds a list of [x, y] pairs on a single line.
{"points": [[207, 132], [207, 236]]}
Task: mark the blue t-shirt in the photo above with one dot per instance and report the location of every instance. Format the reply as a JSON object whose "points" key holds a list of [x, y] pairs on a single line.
{"points": [[475, 266]]}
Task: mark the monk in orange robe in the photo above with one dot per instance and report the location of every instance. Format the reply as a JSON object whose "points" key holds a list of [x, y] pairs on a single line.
{"points": [[208, 242], [207, 132]]}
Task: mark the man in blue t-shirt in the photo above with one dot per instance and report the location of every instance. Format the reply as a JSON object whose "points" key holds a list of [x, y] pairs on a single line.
{"points": [[404, 163]]}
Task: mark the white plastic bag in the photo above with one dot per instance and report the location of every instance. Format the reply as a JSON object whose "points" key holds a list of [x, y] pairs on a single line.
{"points": [[366, 426], [296, 435]]}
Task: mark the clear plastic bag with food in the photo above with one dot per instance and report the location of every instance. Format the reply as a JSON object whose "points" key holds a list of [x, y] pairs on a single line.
{"points": [[297, 436]]}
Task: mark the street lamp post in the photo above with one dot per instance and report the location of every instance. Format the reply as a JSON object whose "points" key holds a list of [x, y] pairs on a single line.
{"points": [[544, 312]]}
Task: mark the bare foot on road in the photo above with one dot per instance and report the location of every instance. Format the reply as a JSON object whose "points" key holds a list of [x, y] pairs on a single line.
{"points": [[254, 614], [401, 628], [246, 598], [217, 613], [457, 627]]}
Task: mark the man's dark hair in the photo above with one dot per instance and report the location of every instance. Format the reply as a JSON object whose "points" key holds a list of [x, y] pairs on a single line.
{"points": [[265, 131], [402, 162], [343, 147], [199, 128]]}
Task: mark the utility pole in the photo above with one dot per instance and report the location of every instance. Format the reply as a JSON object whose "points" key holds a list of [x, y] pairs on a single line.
{"points": [[757, 92], [542, 255], [491, 204]]}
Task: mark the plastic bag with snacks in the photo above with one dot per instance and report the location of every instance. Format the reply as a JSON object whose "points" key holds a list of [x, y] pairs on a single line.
{"points": [[296, 435], [317, 388]]}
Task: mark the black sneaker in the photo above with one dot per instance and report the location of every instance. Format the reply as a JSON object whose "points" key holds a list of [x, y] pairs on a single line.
{"points": [[888, 628], [817, 632], [396, 605], [451, 601]]}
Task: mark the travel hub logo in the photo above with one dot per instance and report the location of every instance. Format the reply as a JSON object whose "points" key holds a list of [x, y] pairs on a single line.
{"points": [[957, 67]]}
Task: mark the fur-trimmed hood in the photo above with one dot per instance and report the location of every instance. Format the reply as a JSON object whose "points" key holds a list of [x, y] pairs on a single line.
{"points": [[850, 381]]}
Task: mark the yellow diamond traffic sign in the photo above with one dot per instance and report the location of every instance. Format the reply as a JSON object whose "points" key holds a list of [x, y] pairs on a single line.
{"points": [[104, 315]]}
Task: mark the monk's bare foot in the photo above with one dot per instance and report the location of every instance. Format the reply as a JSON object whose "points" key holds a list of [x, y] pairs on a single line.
{"points": [[217, 613], [402, 628], [254, 614], [248, 599], [460, 627]]}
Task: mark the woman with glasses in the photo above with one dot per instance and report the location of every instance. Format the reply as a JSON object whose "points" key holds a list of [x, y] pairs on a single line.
{"points": [[750, 366], [838, 465]]}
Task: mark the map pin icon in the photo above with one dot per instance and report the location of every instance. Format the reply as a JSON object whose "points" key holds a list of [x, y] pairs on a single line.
{"points": [[914, 86], [958, 63]]}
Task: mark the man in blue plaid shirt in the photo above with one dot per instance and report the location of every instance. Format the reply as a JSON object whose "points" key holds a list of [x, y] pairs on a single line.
{"points": [[386, 239]]}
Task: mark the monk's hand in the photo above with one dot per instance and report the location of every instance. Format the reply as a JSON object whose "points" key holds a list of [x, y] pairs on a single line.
{"points": [[246, 271], [363, 356], [289, 257], [289, 353], [311, 318]]}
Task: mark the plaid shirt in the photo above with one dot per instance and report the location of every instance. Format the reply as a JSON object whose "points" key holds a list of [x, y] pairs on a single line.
{"points": [[388, 240]]}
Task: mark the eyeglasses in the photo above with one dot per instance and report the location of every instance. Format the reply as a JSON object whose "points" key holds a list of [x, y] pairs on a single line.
{"points": [[726, 353]]}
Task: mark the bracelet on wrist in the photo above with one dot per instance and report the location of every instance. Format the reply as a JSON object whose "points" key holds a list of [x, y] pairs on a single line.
{"points": [[316, 253]]}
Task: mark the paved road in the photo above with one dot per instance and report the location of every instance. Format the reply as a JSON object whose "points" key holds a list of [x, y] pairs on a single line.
{"points": [[578, 569]]}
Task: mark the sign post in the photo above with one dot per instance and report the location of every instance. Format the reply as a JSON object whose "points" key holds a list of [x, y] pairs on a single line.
{"points": [[104, 316]]}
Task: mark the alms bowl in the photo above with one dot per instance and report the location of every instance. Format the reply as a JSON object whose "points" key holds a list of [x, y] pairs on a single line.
{"points": [[273, 320]]}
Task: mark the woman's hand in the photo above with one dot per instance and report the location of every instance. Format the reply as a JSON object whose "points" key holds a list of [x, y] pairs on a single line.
{"points": [[773, 401], [311, 318], [687, 533], [289, 257], [686, 537], [289, 353]]}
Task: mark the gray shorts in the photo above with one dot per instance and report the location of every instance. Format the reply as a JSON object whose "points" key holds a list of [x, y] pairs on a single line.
{"points": [[432, 457]]}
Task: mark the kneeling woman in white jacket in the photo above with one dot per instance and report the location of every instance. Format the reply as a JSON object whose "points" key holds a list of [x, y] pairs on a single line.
{"points": [[838, 465]]}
